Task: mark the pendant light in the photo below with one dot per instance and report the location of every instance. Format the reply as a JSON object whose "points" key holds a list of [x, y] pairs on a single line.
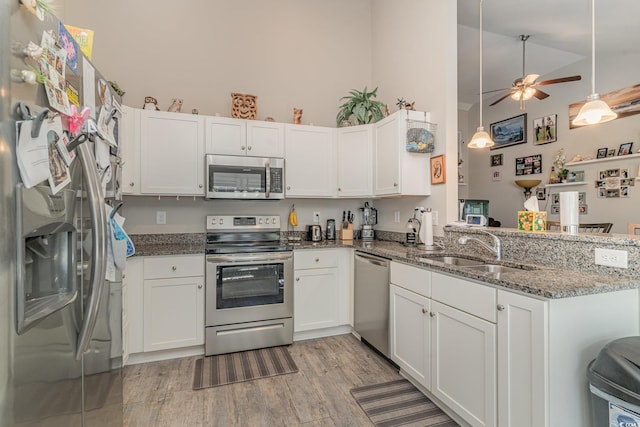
{"points": [[594, 110], [481, 138]]}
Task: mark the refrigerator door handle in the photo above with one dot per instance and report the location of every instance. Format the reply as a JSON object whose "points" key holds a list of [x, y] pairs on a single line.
{"points": [[98, 251]]}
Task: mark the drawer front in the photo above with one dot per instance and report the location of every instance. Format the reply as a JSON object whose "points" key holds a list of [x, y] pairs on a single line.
{"points": [[315, 258], [470, 297], [165, 267], [414, 279]]}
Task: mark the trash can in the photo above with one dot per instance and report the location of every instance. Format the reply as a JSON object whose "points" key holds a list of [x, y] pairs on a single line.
{"points": [[614, 382]]}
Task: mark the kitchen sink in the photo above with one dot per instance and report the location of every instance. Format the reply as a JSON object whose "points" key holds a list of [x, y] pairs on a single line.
{"points": [[494, 268], [454, 260]]}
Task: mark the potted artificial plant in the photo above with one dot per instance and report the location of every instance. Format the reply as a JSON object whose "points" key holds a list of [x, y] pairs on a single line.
{"points": [[360, 108]]}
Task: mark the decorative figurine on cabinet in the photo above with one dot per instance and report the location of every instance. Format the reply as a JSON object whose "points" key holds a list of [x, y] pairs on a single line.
{"points": [[244, 106], [150, 103], [175, 106], [297, 116]]}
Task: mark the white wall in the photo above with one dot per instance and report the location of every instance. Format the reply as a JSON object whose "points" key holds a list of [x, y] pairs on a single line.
{"points": [[409, 37], [290, 53], [506, 198]]}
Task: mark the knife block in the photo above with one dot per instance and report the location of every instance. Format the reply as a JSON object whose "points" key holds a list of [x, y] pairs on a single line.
{"points": [[347, 233]]}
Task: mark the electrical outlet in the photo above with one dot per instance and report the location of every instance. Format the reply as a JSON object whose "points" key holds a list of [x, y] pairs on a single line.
{"points": [[612, 258], [396, 217], [434, 217], [316, 217], [161, 217]]}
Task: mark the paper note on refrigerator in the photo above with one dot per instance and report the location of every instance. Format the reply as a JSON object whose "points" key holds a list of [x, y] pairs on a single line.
{"points": [[32, 155]]}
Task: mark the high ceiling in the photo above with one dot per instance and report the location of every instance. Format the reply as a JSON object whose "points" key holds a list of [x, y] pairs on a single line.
{"points": [[560, 33]]}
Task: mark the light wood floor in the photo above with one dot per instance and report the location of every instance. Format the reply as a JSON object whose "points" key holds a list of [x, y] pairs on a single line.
{"points": [[159, 393]]}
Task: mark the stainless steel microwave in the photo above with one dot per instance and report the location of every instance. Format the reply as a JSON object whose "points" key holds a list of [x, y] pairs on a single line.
{"points": [[240, 177]]}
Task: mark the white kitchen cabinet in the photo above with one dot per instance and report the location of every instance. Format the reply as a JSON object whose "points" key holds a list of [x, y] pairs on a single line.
{"points": [[410, 325], [464, 364], [130, 150], [171, 153], [396, 171], [132, 314], [355, 161], [310, 161], [238, 137], [173, 307], [323, 289], [522, 360]]}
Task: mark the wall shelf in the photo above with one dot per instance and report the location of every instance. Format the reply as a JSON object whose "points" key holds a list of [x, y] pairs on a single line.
{"points": [[567, 184], [604, 159]]}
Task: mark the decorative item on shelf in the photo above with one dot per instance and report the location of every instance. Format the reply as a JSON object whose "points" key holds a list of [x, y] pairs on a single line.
{"points": [[387, 112], [420, 136], [527, 185], [575, 176], [297, 116], [625, 149], [195, 111], [360, 108], [176, 105], [438, 170], [563, 174], [150, 103], [404, 105], [269, 119], [244, 106], [602, 153]]}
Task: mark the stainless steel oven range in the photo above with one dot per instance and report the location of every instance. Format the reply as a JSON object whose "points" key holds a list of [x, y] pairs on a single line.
{"points": [[249, 284]]}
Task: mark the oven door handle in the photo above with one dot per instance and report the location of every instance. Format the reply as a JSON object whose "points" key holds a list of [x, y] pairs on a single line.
{"points": [[261, 257]]}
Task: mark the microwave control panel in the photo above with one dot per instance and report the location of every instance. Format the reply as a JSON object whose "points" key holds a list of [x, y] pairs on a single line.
{"points": [[276, 180]]}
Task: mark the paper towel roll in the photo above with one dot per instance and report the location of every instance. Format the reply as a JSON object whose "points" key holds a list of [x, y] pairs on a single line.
{"points": [[426, 233], [569, 213]]}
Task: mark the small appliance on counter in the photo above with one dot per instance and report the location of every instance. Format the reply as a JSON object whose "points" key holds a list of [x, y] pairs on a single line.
{"points": [[369, 219], [331, 229], [314, 233], [473, 207]]}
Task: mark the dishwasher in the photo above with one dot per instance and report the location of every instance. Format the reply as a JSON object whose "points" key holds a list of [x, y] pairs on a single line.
{"points": [[371, 301]]}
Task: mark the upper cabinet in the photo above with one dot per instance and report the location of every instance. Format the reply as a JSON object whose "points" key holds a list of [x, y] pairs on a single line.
{"points": [[237, 137], [396, 171], [310, 161], [171, 153], [355, 161], [130, 150]]}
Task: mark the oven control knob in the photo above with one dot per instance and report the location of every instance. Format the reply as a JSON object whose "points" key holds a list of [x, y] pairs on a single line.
{"points": [[274, 221]]}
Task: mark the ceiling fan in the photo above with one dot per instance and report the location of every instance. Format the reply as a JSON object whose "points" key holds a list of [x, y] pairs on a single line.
{"points": [[524, 88]]}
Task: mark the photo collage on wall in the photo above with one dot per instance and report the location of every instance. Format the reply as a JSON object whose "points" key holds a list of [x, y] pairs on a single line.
{"points": [[613, 183], [529, 165], [582, 203]]}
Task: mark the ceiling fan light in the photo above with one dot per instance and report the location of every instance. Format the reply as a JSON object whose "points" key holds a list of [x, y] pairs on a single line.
{"points": [[481, 139], [523, 94], [594, 111]]}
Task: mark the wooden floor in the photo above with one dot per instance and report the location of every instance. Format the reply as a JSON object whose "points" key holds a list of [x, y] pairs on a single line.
{"points": [[159, 393]]}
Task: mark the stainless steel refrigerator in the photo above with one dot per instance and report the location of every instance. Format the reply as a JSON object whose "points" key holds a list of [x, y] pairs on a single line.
{"points": [[60, 320]]}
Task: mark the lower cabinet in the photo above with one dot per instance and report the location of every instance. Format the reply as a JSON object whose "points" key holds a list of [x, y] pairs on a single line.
{"points": [[323, 289], [165, 303], [410, 324]]}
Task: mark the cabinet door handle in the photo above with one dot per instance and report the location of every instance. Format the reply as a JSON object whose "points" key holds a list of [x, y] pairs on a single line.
{"points": [[432, 314], [174, 268], [500, 307], [199, 286], [242, 147], [297, 279], [249, 148], [339, 189], [395, 184], [317, 259], [131, 184], [199, 185], [424, 311], [288, 187]]}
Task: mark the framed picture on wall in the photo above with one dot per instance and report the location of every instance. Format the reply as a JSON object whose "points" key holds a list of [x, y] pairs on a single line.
{"points": [[545, 129], [602, 153], [438, 175], [496, 160], [510, 131]]}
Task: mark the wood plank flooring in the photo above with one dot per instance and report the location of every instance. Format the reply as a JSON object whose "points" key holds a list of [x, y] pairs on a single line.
{"points": [[159, 393]]}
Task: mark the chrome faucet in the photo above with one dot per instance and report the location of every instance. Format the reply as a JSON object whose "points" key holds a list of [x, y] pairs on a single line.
{"points": [[496, 249]]}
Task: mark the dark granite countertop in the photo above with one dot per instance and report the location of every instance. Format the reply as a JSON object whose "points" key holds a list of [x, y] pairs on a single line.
{"points": [[533, 279]]}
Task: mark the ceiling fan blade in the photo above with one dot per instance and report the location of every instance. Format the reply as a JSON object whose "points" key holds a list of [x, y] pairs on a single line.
{"points": [[559, 80], [540, 94], [497, 90], [530, 79], [500, 99]]}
